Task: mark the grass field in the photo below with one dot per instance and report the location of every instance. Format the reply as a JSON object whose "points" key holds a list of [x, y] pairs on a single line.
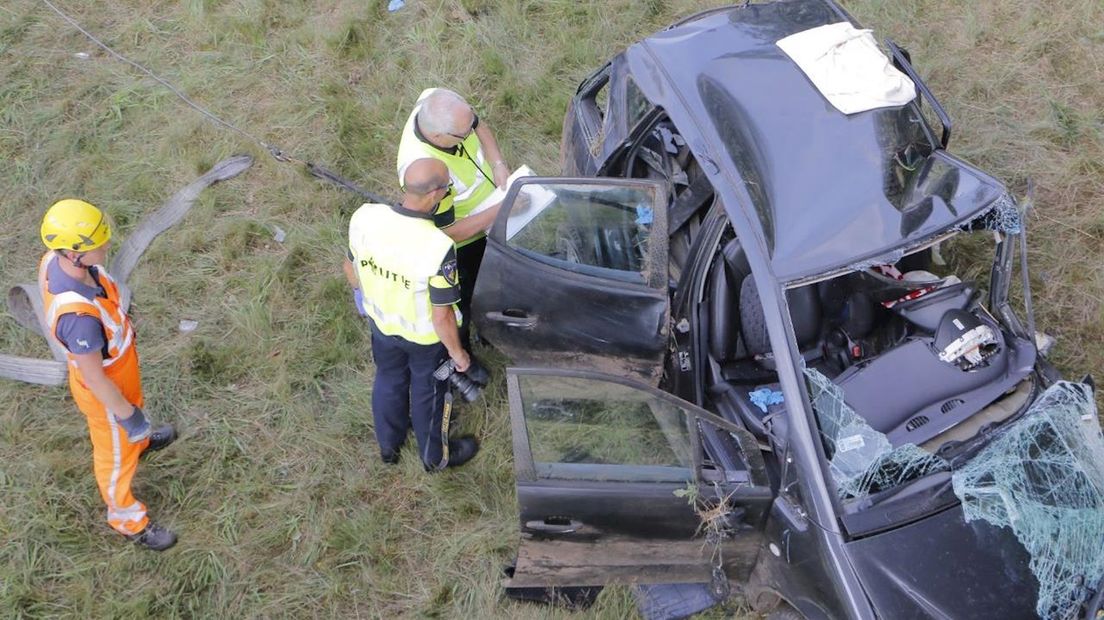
{"points": [[275, 487]]}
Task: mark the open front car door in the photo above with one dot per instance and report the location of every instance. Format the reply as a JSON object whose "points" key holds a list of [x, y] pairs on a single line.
{"points": [[616, 485], [575, 274]]}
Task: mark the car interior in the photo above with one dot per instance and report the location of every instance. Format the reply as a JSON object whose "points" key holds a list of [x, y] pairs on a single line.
{"points": [[663, 155], [876, 332], [881, 335]]}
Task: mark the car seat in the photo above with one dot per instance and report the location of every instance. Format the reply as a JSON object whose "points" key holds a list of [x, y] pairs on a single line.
{"points": [[805, 314], [729, 269], [736, 372]]}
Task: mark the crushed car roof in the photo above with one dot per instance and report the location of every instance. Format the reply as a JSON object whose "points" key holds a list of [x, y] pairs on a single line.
{"points": [[824, 190]]}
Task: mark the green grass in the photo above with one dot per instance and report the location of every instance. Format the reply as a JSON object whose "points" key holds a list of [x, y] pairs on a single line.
{"points": [[275, 486], [1023, 85]]}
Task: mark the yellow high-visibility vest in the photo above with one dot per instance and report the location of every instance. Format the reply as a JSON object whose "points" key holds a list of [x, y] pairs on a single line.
{"points": [[396, 257], [469, 170]]}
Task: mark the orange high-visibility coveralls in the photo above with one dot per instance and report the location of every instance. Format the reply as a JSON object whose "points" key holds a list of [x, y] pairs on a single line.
{"points": [[114, 458]]}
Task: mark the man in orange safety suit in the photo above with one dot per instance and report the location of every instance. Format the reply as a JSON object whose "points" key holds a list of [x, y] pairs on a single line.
{"points": [[83, 312]]}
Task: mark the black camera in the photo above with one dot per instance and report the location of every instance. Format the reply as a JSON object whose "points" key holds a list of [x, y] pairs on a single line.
{"points": [[469, 383]]}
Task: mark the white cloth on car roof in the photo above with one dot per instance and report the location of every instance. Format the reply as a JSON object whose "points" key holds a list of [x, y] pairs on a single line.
{"points": [[848, 68]]}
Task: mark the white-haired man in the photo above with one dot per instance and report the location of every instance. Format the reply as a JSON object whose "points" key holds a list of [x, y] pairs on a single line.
{"points": [[444, 126]]}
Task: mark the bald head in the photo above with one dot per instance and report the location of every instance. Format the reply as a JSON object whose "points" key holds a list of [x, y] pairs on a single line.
{"points": [[425, 176], [445, 112]]}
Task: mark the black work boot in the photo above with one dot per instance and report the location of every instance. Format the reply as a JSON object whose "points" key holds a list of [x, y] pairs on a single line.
{"points": [[462, 450], [154, 537], [160, 437]]}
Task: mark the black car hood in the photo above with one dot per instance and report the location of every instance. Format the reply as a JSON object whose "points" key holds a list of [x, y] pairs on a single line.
{"points": [[944, 567]]}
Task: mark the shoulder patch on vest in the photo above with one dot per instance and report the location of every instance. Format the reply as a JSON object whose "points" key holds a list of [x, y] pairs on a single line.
{"points": [[449, 271]]}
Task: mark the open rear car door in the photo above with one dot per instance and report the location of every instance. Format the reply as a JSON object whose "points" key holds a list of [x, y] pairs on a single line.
{"points": [[603, 467]]}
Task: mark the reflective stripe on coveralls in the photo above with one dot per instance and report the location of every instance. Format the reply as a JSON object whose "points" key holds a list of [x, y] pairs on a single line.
{"points": [[134, 511], [114, 458], [468, 169], [395, 257], [117, 328]]}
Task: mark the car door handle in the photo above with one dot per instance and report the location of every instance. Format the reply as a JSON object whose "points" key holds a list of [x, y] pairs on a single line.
{"points": [[514, 318], [554, 526]]}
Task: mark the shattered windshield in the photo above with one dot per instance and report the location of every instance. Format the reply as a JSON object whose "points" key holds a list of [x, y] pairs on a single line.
{"points": [[1005, 216], [1044, 479], [861, 459]]}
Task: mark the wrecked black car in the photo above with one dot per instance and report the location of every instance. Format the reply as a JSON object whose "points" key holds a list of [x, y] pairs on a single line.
{"points": [[736, 364]]}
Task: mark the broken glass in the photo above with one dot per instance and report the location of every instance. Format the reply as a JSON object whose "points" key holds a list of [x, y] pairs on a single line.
{"points": [[889, 258], [861, 459], [1044, 479], [1004, 216]]}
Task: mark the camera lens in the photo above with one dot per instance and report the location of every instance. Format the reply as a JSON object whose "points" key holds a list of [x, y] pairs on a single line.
{"points": [[468, 389], [478, 373]]}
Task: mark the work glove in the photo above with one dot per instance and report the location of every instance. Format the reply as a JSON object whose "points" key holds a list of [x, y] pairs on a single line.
{"points": [[136, 426], [358, 299]]}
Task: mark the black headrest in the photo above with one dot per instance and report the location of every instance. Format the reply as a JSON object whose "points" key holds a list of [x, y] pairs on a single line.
{"points": [[846, 306], [858, 315]]}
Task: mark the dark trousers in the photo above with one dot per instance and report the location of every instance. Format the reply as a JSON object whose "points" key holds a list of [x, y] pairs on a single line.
{"points": [[468, 259], [406, 394]]}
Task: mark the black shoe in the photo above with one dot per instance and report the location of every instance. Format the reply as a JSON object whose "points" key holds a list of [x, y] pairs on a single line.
{"points": [[160, 437], [389, 457], [154, 537], [462, 450]]}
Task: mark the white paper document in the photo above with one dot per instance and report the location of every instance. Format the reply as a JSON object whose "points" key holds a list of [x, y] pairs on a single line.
{"points": [[532, 201], [499, 194]]}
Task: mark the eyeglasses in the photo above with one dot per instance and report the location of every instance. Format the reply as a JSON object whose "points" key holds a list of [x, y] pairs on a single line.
{"points": [[446, 186], [466, 133]]}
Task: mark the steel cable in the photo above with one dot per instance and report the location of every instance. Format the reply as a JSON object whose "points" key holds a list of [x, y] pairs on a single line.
{"points": [[277, 153]]}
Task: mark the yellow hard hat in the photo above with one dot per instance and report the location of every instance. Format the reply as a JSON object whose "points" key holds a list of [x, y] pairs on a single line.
{"points": [[72, 224]]}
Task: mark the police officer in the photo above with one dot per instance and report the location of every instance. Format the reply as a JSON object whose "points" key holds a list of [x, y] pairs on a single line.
{"points": [[443, 126], [83, 312], [405, 269]]}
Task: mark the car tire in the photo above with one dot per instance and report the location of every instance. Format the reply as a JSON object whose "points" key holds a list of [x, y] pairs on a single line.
{"points": [[785, 612]]}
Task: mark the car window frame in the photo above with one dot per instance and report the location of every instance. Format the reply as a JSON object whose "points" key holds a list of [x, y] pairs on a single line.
{"points": [[591, 117], [631, 123], [525, 467], [656, 277]]}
